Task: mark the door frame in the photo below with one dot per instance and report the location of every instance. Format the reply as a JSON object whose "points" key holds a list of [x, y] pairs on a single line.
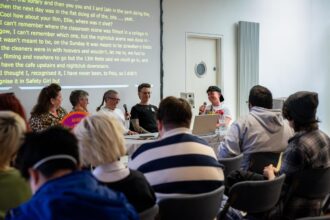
{"points": [[219, 55]]}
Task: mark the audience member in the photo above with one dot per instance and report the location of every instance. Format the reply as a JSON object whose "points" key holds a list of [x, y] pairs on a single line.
{"points": [[179, 162], [143, 117], [14, 190], [101, 144], [50, 161], [262, 130], [111, 100], [79, 101], [48, 111], [9, 102], [309, 148], [216, 107]]}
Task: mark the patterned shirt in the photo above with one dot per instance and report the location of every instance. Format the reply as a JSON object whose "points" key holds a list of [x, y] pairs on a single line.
{"points": [[306, 150], [41, 122]]}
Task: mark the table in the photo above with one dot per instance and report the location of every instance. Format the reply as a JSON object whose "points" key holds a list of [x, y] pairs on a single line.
{"points": [[133, 142]]}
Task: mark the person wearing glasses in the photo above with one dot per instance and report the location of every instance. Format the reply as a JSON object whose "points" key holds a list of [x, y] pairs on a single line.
{"points": [[111, 100]]}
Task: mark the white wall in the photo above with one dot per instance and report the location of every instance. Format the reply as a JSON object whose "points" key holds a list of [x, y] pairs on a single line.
{"points": [[294, 44]]}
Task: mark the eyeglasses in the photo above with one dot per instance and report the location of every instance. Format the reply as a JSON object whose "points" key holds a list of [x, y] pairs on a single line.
{"points": [[115, 99]]}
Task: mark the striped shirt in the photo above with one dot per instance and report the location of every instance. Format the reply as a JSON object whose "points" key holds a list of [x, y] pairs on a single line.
{"points": [[179, 163]]}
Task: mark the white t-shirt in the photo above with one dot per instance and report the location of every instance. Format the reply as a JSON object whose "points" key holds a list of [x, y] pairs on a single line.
{"points": [[211, 109], [118, 114]]}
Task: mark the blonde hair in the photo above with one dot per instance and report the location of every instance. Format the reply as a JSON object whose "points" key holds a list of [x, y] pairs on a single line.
{"points": [[100, 138], [12, 129]]}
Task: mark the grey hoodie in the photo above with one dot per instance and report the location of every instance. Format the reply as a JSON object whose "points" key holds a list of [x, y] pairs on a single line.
{"points": [[263, 130]]}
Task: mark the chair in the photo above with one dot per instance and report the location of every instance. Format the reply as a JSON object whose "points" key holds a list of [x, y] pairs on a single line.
{"points": [[323, 217], [309, 184], [261, 159], [254, 196], [192, 207], [231, 163], [149, 214]]}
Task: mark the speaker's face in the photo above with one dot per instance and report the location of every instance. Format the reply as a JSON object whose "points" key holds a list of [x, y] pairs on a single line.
{"points": [[214, 97], [144, 95]]}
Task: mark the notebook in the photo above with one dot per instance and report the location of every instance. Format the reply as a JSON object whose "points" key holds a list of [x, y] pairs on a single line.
{"points": [[205, 124]]}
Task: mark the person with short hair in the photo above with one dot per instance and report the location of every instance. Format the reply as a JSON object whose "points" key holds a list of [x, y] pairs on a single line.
{"points": [[48, 111], [309, 148], [262, 130], [101, 144], [111, 100], [143, 114], [14, 190], [179, 162], [216, 107], [50, 161], [79, 101]]}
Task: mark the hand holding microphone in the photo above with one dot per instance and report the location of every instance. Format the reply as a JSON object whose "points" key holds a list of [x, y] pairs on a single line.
{"points": [[127, 114], [202, 108]]}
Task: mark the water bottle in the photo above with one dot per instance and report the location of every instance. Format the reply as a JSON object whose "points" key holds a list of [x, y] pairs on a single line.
{"points": [[222, 123]]}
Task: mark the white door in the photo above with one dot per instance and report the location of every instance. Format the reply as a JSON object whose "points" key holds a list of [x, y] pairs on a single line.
{"points": [[203, 67]]}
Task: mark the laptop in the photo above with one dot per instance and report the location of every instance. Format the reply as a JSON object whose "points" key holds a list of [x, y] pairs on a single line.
{"points": [[205, 124]]}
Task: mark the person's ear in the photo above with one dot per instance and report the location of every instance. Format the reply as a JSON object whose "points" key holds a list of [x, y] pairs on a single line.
{"points": [[34, 179]]}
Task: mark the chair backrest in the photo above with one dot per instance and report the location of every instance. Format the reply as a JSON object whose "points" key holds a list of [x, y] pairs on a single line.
{"points": [[323, 217], [261, 159], [231, 163], [311, 183], [200, 206], [256, 196], [149, 214]]}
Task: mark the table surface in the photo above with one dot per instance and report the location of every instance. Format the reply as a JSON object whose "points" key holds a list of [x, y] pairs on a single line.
{"points": [[133, 142]]}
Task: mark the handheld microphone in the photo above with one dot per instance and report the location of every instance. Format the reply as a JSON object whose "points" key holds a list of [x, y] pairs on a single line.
{"points": [[125, 107], [204, 103]]}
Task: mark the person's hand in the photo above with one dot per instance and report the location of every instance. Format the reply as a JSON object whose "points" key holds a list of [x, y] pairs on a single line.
{"points": [[202, 109], [269, 172], [127, 115], [131, 132]]}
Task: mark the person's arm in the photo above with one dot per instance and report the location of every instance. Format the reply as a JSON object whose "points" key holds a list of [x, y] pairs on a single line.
{"points": [[137, 127], [230, 147]]}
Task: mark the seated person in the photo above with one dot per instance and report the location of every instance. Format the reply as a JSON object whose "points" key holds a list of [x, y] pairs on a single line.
{"points": [[101, 144], [217, 106], [14, 190], [143, 115], [9, 102], [48, 111], [309, 148], [79, 101], [111, 100], [262, 130], [50, 161], [179, 162]]}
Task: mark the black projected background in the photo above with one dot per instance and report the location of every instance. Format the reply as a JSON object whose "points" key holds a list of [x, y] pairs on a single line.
{"points": [[92, 45]]}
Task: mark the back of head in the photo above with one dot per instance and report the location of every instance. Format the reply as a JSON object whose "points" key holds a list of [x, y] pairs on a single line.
{"points": [[260, 96], [76, 95], [143, 85], [12, 128], [9, 102], [47, 93], [101, 139], [174, 112], [301, 108], [48, 151]]}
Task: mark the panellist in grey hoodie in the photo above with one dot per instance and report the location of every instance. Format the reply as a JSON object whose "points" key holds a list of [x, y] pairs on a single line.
{"points": [[263, 130]]}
